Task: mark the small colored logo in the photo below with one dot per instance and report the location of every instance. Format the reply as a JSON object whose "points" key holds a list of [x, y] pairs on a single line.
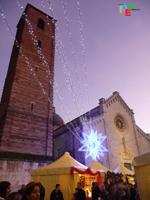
{"points": [[126, 8]]}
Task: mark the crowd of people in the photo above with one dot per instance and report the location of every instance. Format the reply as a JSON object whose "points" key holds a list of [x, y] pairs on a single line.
{"points": [[117, 187], [113, 188], [32, 191]]}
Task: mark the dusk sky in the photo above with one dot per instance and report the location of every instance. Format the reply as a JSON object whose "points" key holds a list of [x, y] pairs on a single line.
{"points": [[104, 52]]}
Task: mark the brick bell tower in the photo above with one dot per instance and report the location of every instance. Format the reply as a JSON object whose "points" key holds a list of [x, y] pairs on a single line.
{"points": [[25, 111]]}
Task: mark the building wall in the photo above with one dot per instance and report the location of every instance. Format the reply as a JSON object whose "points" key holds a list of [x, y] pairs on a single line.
{"points": [[17, 172], [121, 142], [67, 140], [62, 143], [143, 142], [25, 112]]}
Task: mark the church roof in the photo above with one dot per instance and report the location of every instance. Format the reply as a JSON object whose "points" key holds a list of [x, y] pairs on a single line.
{"points": [[96, 165], [121, 100]]}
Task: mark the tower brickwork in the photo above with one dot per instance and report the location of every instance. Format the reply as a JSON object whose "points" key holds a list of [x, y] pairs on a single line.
{"points": [[27, 101]]}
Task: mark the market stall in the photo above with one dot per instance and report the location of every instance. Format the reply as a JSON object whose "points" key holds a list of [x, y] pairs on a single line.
{"points": [[142, 174], [67, 172], [96, 165], [123, 170]]}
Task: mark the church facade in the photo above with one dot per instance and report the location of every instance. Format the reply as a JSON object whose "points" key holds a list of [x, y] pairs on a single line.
{"points": [[115, 121]]}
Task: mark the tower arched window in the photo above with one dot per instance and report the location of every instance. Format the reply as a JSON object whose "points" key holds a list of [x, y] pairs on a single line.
{"points": [[41, 23], [32, 106]]}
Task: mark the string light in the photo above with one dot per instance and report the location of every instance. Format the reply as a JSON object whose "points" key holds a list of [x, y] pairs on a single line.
{"points": [[34, 74], [20, 4], [74, 55], [60, 50], [82, 41], [45, 63], [31, 31]]}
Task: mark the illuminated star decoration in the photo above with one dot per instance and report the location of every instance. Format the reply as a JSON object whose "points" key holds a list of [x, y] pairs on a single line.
{"points": [[92, 145]]}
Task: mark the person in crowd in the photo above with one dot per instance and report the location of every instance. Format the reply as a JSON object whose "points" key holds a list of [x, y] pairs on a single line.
{"points": [[21, 191], [42, 192], [137, 196], [32, 191], [95, 191], [14, 196], [75, 194], [87, 195], [115, 187], [56, 194], [104, 194], [80, 194], [5, 189]]}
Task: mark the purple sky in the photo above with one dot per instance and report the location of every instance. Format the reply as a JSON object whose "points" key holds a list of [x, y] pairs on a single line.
{"points": [[109, 53]]}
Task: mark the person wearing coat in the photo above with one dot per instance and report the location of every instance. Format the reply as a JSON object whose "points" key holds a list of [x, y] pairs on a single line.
{"points": [[56, 194], [4, 189], [31, 191], [80, 194]]}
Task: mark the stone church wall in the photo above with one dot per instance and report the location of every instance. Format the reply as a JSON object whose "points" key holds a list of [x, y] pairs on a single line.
{"points": [[121, 142], [17, 172], [143, 142]]}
